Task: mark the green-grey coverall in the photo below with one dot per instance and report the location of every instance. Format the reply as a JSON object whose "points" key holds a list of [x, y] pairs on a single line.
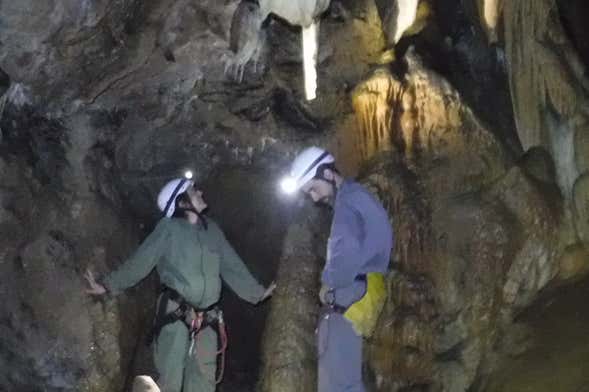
{"points": [[190, 260]]}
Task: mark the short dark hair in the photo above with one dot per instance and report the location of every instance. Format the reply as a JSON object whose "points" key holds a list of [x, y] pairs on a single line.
{"points": [[319, 172], [179, 211]]}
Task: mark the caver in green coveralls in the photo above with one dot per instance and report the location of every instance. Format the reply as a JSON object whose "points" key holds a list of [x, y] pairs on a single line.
{"points": [[191, 260]]}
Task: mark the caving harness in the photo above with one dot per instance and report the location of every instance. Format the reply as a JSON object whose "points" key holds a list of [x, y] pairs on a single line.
{"points": [[194, 319], [363, 314]]}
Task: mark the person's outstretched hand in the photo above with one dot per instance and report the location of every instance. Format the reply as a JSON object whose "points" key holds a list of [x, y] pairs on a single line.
{"points": [[269, 291], [95, 287]]}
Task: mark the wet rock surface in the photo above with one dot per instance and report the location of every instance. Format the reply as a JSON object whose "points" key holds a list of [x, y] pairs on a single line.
{"points": [[55, 50], [54, 337], [289, 361], [554, 333], [478, 234], [474, 138]]}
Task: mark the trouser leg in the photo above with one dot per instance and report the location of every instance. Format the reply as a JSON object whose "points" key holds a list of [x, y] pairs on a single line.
{"points": [[339, 356], [201, 366], [169, 356]]}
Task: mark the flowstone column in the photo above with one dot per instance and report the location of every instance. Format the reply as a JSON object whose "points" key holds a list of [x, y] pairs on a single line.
{"points": [[288, 346]]}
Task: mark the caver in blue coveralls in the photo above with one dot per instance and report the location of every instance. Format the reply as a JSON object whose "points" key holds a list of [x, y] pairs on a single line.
{"points": [[360, 242]]}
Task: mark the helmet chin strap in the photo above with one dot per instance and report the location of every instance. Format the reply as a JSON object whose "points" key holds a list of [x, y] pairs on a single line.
{"points": [[333, 187], [201, 217]]}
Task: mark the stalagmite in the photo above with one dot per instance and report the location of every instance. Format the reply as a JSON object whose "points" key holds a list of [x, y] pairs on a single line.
{"points": [[289, 354]]}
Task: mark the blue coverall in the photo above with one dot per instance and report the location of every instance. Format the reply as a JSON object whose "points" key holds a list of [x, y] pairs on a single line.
{"points": [[360, 241]]}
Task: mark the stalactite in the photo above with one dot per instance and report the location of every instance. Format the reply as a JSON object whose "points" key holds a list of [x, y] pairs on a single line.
{"points": [[406, 11], [490, 15], [543, 67], [372, 102], [423, 16], [549, 89], [397, 17], [248, 36]]}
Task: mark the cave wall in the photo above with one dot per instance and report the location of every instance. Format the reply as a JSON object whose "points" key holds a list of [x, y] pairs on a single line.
{"points": [[479, 123], [549, 90], [56, 51], [479, 232], [101, 104], [59, 215]]}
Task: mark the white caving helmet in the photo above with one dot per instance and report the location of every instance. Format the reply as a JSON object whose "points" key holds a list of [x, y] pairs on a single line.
{"points": [[166, 200], [304, 168]]}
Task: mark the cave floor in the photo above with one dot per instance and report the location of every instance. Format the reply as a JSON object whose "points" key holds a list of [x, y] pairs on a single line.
{"points": [[558, 357]]}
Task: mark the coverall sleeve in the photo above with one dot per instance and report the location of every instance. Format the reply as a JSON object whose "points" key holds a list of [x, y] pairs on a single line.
{"points": [[344, 249], [235, 273], [140, 263]]}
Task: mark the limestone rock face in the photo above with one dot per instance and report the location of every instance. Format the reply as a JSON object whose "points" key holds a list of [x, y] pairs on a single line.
{"points": [[539, 212], [546, 61], [101, 103], [466, 262], [477, 235], [141, 70], [581, 207], [424, 118], [572, 14], [550, 92], [53, 334], [56, 49], [574, 263], [542, 71]]}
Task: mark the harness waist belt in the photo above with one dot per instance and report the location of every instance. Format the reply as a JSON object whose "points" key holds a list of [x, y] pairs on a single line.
{"points": [[162, 318]]}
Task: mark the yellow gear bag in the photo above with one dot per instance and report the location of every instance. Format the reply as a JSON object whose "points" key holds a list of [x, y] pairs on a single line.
{"points": [[363, 314]]}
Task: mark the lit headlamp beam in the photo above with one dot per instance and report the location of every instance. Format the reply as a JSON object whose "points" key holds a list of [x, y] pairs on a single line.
{"points": [[288, 185]]}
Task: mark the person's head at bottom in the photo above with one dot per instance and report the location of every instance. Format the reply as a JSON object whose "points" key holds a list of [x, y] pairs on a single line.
{"points": [[144, 384]]}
